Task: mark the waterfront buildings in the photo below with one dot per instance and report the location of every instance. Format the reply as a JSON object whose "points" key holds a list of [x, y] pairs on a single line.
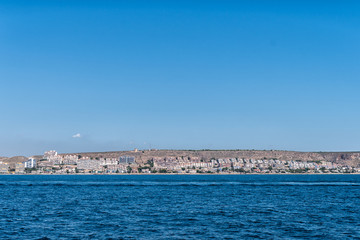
{"points": [[54, 163], [88, 164]]}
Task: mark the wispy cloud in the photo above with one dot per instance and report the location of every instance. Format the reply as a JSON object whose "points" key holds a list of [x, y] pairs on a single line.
{"points": [[78, 135]]}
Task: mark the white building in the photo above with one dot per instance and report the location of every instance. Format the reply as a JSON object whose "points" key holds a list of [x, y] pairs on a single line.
{"points": [[53, 157], [30, 163]]}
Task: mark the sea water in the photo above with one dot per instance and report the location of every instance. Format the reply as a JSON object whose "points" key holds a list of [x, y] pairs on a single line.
{"points": [[180, 207]]}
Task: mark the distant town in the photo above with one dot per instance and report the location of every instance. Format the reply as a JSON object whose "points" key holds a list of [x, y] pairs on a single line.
{"points": [[175, 162]]}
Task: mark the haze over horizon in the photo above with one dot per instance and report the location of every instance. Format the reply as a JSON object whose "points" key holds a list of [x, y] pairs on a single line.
{"points": [[92, 76]]}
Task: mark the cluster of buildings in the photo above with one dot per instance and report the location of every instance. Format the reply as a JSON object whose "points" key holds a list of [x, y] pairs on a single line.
{"points": [[20, 167], [198, 165], [52, 163], [181, 163], [277, 166]]}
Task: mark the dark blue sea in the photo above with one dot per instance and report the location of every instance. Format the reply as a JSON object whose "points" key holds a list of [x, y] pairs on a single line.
{"points": [[180, 207]]}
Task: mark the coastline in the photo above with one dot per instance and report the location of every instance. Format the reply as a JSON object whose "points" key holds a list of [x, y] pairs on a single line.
{"points": [[183, 162], [173, 174]]}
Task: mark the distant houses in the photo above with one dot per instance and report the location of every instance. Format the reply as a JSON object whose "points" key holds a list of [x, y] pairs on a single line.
{"points": [[4, 168], [54, 163], [19, 167]]}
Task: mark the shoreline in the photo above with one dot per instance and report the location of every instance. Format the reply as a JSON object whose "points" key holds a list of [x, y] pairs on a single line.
{"points": [[173, 174]]}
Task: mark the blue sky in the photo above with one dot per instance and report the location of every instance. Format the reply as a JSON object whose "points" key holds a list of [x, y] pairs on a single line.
{"points": [[179, 75]]}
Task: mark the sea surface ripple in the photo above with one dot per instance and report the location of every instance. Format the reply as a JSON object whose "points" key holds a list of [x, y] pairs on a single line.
{"points": [[180, 207]]}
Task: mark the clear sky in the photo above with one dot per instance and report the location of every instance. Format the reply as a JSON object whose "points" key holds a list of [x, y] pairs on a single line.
{"points": [[113, 75]]}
